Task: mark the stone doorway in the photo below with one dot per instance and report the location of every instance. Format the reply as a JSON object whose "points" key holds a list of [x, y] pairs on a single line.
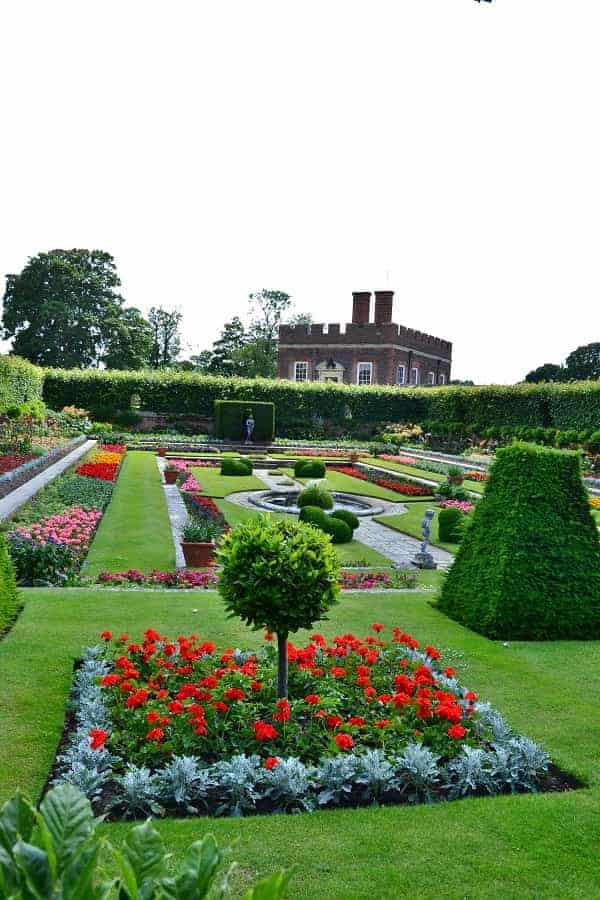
{"points": [[330, 371]]}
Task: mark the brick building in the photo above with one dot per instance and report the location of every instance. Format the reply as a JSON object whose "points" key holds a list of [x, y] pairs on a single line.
{"points": [[364, 352]]}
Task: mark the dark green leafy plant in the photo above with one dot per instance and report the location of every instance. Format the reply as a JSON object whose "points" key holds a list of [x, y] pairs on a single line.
{"points": [[56, 851], [41, 564], [201, 531], [315, 495], [280, 575], [528, 567]]}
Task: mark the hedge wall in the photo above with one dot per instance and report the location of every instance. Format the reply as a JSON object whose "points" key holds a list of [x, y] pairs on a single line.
{"points": [[575, 405], [20, 381], [230, 420], [9, 600]]}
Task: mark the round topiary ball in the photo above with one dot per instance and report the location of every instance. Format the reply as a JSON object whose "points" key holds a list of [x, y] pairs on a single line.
{"points": [[346, 516], [340, 532], [313, 514]]}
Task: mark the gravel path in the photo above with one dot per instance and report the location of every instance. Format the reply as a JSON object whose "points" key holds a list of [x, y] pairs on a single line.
{"points": [[177, 513]]}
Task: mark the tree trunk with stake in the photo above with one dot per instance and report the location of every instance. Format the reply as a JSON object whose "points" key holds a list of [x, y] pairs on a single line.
{"points": [[282, 666]]}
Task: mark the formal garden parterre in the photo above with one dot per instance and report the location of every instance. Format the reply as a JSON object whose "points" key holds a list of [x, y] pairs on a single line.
{"points": [[414, 727]]}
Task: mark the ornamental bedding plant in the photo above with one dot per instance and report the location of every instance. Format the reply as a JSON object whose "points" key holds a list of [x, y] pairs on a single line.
{"points": [[463, 505], [183, 579], [400, 487], [166, 724]]}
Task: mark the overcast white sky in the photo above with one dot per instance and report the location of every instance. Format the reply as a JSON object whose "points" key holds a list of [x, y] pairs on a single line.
{"points": [[216, 148]]}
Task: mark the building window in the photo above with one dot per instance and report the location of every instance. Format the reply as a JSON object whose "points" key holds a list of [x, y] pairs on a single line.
{"points": [[301, 371], [441, 378], [401, 376], [364, 373], [414, 376], [431, 378]]}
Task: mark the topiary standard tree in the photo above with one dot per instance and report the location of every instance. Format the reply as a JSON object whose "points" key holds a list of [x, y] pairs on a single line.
{"points": [[280, 575], [528, 567]]}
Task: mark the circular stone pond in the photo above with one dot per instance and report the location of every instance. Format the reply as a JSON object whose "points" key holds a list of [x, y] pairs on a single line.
{"points": [[287, 501]]}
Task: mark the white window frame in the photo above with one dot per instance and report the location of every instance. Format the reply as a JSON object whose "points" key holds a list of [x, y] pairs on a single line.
{"points": [[441, 378], [300, 362], [431, 378], [403, 379], [414, 369], [358, 374]]}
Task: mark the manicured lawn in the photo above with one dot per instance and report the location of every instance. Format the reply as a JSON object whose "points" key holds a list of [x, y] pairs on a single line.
{"points": [[410, 523], [542, 846], [476, 486], [135, 532], [347, 553], [214, 484], [338, 481]]}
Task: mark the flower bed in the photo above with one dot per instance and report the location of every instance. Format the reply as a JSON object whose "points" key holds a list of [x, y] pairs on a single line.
{"points": [[180, 578], [176, 724], [49, 549], [15, 477], [431, 466], [463, 505], [595, 502], [10, 461], [398, 486]]}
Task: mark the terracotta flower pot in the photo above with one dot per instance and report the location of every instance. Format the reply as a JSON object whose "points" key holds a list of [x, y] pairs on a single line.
{"points": [[198, 555], [456, 479], [171, 476], [162, 451]]}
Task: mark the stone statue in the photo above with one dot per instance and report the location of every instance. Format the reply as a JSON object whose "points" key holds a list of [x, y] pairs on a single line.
{"points": [[423, 559], [249, 428]]}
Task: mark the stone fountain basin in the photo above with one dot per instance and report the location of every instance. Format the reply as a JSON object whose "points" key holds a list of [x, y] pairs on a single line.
{"points": [[286, 501]]}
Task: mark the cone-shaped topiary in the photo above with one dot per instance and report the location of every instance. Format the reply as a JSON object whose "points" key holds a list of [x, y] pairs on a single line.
{"points": [[280, 575], [9, 601], [528, 567]]}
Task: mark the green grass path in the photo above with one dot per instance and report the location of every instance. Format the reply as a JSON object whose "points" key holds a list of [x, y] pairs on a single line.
{"points": [[410, 523], [532, 846], [135, 532], [214, 484]]}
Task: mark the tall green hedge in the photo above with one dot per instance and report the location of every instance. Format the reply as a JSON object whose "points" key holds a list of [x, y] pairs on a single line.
{"points": [[9, 601], [528, 567], [574, 405], [20, 381], [231, 415]]}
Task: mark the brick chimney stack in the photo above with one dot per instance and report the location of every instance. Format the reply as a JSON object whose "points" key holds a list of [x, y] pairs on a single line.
{"points": [[361, 307], [384, 301]]}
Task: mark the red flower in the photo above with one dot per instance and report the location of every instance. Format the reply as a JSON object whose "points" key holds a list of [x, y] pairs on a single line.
{"points": [[97, 738], [220, 707], [383, 723], [155, 734], [234, 694], [312, 699], [283, 711], [457, 732], [356, 721], [106, 635], [256, 685], [268, 636], [176, 707], [449, 672], [264, 732], [271, 762], [344, 741], [338, 672], [334, 721], [471, 695], [377, 626], [109, 680], [137, 699], [432, 652]]}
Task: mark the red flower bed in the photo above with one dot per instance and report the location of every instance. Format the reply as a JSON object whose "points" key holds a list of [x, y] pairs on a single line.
{"points": [[114, 448], [104, 471], [476, 476], [181, 696], [205, 503], [364, 580], [399, 487], [180, 578], [10, 461]]}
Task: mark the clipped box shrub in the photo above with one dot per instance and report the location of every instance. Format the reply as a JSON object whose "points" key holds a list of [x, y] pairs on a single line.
{"points": [[20, 383], [346, 516], [9, 602], [236, 466], [315, 495], [450, 522], [231, 415], [312, 514], [340, 532], [528, 567], [309, 468]]}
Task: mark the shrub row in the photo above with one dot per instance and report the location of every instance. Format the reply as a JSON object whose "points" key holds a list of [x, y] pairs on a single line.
{"points": [[575, 405], [20, 382]]}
